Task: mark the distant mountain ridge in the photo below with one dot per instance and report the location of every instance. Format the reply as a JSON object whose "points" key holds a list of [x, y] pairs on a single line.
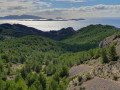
{"points": [[18, 30], [21, 17]]}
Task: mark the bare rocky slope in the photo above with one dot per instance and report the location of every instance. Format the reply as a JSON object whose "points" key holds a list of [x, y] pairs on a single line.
{"points": [[99, 76], [115, 38]]}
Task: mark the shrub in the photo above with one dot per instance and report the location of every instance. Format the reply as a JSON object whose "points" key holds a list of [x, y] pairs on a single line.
{"points": [[104, 58], [64, 71], [79, 78], [112, 55]]}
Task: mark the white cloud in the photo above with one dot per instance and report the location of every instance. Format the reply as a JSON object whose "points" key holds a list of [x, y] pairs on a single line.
{"points": [[22, 4], [34, 7], [73, 0], [19, 7], [85, 11]]}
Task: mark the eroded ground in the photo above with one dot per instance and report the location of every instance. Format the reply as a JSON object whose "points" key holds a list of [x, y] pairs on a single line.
{"points": [[78, 70], [100, 84]]}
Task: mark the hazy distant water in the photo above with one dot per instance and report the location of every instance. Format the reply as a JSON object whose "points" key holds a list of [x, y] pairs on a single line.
{"points": [[57, 25]]}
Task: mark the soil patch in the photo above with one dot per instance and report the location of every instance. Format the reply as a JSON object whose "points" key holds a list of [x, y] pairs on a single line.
{"points": [[100, 84], [78, 70]]}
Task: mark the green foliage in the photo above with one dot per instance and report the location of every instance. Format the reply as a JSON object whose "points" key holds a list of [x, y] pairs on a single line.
{"points": [[112, 55], [37, 85], [117, 35], [1, 66], [31, 78], [80, 78], [109, 54], [23, 73], [33, 87], [61, 86], [42, 80], [18, 77], [40, 56], [90, 36], [56, 77], [9, 85], [64, 71], [21, 85], [104, 58], [22, 59], [50, 69], [5, 57], [2, 84], [38, 68], [88, 76], [53, 85], [9, 70]]}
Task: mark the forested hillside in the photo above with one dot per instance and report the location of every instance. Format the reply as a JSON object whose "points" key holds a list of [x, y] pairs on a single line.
{"points": [[90, 36], [31, 60]]}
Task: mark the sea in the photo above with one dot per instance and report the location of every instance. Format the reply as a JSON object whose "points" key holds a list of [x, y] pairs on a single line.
{"points": [[57, 25]]}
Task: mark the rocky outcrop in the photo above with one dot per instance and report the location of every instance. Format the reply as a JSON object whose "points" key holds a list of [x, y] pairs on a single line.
{"points": [[107, 42], [110, 70], [110, 40]]}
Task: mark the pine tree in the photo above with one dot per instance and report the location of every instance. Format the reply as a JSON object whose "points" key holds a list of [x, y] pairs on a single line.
{"points": [[54, 85], [64, 72], [37, 85], [1, 66], [104, 58], [42, 80], [112, 55], [9, 69], [56, 77]]}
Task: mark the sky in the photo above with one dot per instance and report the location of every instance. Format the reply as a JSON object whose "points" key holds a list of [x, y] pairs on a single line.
{"points": [[61, 8]]}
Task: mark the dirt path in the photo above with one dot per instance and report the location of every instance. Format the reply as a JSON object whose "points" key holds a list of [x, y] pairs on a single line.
{"points": [[77, 70], [100, 84]]}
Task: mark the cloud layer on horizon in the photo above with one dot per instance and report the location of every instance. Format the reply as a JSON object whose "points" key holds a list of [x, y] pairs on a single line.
{"points": [[84, 11], [43, 9]]}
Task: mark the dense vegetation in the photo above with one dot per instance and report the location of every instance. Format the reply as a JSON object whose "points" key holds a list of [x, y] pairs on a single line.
{"points": [[29, 61], [90, 36], [108, 55]]}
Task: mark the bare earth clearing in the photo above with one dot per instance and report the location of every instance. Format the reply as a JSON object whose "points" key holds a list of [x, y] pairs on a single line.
{"points": [[14, 68], [100, 84], [78, 70], [94, 84]]}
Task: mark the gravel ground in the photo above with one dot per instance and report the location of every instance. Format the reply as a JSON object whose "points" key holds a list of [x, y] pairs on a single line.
{"points": [[100, 84], [77, 70]]}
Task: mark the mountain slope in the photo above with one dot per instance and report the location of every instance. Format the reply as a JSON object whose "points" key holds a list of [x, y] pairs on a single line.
{"points": [[31, 47], [114, 39], [90, 36], [32, 42], [83, 39]]}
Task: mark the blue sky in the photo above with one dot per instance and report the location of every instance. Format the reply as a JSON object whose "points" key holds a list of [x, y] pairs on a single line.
{"points": [[61, 8], [69, 4]]}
